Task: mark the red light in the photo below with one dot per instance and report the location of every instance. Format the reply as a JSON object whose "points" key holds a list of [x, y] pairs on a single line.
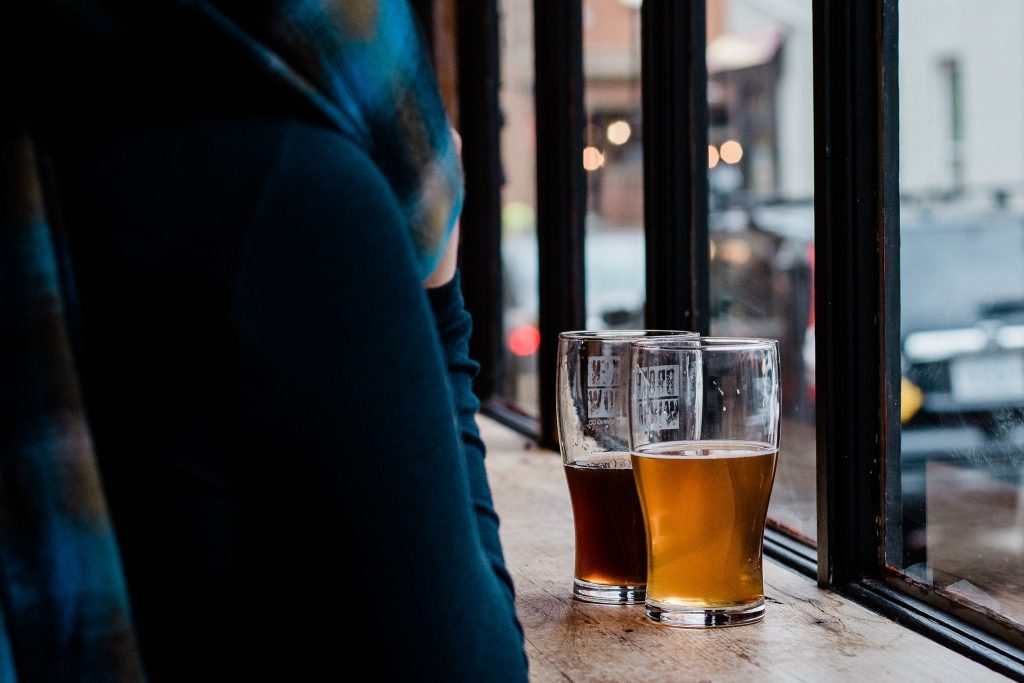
{"points": [[524, 340], [810, 260]]}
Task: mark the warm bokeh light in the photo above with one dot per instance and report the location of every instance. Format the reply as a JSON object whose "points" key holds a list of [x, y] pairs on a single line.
{"points": [[712, 156], [618, 132], [593, 158], [524, 340], [731, 152], [712, 248], [735, 252]]}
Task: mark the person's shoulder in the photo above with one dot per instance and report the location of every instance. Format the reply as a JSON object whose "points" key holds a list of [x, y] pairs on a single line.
{"points": [[328, 240], [323, 174], [326, 158], [289, 155], [326, 203]]}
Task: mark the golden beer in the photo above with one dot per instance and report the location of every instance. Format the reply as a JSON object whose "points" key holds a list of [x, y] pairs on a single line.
{"points": [[705, 505]]}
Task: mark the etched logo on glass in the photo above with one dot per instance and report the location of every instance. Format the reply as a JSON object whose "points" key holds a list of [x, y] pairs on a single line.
{"points": [[656, 392], [604, 387]]}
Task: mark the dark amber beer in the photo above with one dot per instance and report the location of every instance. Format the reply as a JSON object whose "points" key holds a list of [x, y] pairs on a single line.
{"points": [[610, 545], [593, 436], [705, 503]]}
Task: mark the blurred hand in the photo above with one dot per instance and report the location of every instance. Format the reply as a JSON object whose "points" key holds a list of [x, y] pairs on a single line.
{"points": [[445, 270]]}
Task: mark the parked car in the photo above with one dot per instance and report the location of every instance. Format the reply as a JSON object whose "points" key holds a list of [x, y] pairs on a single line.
{"points": [[962, 348], [963, 322]]}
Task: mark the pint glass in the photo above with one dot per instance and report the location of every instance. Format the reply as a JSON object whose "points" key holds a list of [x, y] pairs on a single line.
{"points": [[593, 428], [704, 419]]}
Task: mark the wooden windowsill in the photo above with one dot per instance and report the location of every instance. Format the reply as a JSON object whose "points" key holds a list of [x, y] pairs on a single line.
{"points": [[808, 634]]}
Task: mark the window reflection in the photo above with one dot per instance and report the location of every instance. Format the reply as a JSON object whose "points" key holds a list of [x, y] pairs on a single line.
{"points": [[521, 336], [613, 160], [962, 299], [760, 174]]}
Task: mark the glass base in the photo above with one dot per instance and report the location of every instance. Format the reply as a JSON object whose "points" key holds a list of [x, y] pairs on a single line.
{"points": [[607, 595], [704, 617]]}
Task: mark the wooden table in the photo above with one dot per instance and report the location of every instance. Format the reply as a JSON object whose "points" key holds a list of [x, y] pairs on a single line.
{"points": [[808, 634]]}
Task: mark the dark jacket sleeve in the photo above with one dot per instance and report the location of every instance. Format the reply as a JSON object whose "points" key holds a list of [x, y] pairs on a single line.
{"points": [[347, 387], [455, 326]]}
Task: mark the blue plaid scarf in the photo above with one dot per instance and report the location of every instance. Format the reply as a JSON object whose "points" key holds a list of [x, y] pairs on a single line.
{"points": [[360, 63], [64, 612], [63, 608]]}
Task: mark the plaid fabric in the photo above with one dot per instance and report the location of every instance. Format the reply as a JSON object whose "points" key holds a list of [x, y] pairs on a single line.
{"points": [[63, 606], [64, 613], [362, 64]]}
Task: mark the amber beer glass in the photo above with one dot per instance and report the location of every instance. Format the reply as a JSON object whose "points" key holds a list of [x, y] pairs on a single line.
{"points": [[593, 429], [704, 437]]}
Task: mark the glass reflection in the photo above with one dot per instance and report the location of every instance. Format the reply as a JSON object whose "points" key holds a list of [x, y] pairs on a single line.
{"points": [[962, 300], [521, 336], [613, 160], [761, 173]]}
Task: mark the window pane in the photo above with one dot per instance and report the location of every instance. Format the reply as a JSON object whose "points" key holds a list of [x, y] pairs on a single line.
{"points": [[962, 299], [613, 160], [521, 338], [761, 177]]}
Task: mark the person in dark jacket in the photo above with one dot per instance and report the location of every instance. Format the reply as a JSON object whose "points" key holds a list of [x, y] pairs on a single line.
{"points": [[258, 201]]}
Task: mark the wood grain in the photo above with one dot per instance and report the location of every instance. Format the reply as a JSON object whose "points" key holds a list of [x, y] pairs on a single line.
{"points": [[808, 634]]}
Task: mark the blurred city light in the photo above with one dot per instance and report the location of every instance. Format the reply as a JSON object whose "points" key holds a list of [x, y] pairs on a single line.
{"points": [[593, 158], [618, 132], [524, 340], [731, 151], [712, 156], [734, 251]]}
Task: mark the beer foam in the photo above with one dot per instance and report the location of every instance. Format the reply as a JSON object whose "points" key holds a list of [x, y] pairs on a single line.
{"points": [[692, 450], [615, 460]]}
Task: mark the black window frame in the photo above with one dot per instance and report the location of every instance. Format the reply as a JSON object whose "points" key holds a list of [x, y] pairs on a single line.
{"points": [[856, 148]]}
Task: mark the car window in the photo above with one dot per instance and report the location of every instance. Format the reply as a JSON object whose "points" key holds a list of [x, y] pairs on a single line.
{"points": [[980, 271]]}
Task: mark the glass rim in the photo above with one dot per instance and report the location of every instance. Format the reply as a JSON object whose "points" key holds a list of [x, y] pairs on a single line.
{"points": [[624, 335], [707, 344]]}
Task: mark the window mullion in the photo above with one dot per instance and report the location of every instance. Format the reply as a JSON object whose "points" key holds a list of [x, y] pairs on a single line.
{"points": [[480, 127], [856, 282], [675, 135], [561, 187]]}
